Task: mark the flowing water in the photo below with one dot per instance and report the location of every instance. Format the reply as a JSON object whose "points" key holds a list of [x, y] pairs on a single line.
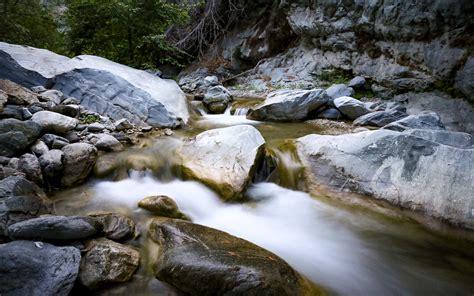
{"points": [[348, 250]]}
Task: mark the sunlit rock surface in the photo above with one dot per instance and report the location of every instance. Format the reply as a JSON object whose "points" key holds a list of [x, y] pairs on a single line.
{"points": [[100, 85]]}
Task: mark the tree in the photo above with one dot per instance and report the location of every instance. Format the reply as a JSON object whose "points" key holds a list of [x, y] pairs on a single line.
{"points": [[29, 22], [127, 31]]}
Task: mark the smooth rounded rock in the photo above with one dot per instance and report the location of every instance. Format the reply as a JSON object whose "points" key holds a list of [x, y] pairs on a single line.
{"points": [[161, 206], [78, 161], [350, 107], [54, 122], [115, 226], [30, 165]]}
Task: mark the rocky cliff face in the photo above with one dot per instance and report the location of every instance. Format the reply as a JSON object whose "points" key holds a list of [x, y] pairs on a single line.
{"points": [[401, 45]]}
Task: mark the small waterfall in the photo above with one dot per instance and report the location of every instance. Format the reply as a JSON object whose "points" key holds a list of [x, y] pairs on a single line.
{"points": [[242, 111]]}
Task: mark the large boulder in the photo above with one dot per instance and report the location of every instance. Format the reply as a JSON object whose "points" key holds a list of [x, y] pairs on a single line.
{"points": [[199, 260], [340, 90], [34, 268], [224, 159], [54, 122], [16, 136], [98, 84], [404, 169], [54, 228], [289, 105], [107, 262], [20, 200], [450, 138], [78, 161], [217, 99], [350, 107]]}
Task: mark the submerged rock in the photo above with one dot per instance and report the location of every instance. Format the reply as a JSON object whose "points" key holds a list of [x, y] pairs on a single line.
{"points": [[406, 170], [35, 268], [107, 262], [54, 228], [289, 105], [54, 122], [224, 158], [199, 260], [16, 136], [78, 161]]}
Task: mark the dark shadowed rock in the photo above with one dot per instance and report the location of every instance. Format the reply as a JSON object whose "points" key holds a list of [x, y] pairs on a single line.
{"points": [[54, 228], [289, 105], [331, 113], [16, 136], [37, 269], [107, 262], [78, 161], [20, 200], [115, 226], [199, 260], [52, 164]]}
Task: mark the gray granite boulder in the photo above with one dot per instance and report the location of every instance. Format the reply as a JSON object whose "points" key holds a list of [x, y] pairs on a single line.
{"points": [[52, 165], [30, 165], [380, 118], [406, 170], [78, 161], [422, 120], [54, 122], [350, 107], [340, 90], [37, 269], [217, 99]]}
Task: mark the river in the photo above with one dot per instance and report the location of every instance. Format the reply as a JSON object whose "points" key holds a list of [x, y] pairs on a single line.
{"points": [[346, 249]]}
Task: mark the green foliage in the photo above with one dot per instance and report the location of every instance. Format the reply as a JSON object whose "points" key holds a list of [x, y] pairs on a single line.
{"points": [[336, 76], [447, 88], [364, 95], [127, 31], [89, 118], [28, 22]]}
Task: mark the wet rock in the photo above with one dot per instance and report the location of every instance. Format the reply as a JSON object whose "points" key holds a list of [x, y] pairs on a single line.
{"points": [[340, 90], [141, 162], [411, 172], [422, 120], [54, 141], [122, 125], [35, 268], [115, 226], [20, 200], [52, 95], [107, 262], [217, 99], [108, 143], [78, 161], [191, 254], [51, 163], [17, 94], [289, 105], [30, 166], [162, 206], [224, 158], [54, 228], [105, 165], [357, 83], [54, 122], [16, 136], [380, 118], [350, 107], [331, 113]]}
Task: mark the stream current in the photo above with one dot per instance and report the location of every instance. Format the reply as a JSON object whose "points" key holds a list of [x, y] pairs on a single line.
{"points": [[348, 250]]}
